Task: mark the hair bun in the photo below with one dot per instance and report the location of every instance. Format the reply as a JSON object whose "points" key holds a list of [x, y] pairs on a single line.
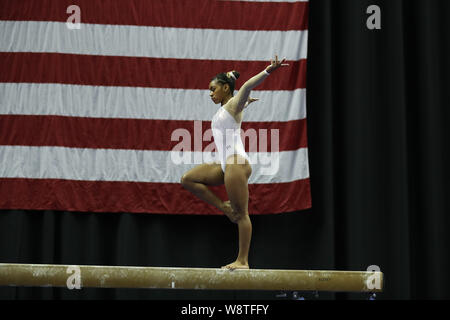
{"points": [[233, 74]]}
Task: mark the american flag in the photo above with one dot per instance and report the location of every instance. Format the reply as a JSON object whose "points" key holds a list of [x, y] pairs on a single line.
{"points": [[87, 114]]}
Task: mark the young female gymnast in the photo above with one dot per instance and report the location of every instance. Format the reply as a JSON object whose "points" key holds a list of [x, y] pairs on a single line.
{"points": [[234, 168]]}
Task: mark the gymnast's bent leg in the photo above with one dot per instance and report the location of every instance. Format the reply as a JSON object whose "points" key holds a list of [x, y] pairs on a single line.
{"points": [[199, 178]]}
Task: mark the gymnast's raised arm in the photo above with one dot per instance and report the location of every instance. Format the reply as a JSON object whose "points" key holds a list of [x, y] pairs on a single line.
{"points": [[239, 102]]}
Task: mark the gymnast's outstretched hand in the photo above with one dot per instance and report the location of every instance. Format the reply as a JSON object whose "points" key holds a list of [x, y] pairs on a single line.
{"points": [[275, 64]]}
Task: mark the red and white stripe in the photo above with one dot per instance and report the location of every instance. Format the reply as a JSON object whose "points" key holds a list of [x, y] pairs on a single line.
{"points": [[87, 116]]}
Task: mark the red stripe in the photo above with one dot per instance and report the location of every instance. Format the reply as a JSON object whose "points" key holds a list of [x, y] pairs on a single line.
{"points": [[102, 196], [141, 134], [138, 71], [166, 13]]}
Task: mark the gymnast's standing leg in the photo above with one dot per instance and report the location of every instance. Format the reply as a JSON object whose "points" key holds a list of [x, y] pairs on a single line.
{"points": [[236, 183]]}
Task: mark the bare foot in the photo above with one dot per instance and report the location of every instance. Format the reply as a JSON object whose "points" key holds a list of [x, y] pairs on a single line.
{"points": [[229, 212], [236, 265]]}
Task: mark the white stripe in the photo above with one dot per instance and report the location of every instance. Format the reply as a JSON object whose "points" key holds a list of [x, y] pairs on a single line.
{"points": [[135, 165], [139, 41], [140, 103]]}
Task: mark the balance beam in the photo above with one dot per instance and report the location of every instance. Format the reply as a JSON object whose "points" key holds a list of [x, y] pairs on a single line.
{"points": [[52, 275]]}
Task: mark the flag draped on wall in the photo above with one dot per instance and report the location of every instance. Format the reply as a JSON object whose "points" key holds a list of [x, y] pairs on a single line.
{"points": [[88, 115]]}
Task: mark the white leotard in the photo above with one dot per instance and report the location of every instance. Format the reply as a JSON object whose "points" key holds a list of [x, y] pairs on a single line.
{"points": [[227, 136]]}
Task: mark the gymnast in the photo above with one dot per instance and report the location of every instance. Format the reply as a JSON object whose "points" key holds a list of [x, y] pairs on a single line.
{"points": [[234, 168]]}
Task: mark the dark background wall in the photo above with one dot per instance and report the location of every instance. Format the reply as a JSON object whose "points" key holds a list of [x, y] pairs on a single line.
{"points": [[377, 108]]}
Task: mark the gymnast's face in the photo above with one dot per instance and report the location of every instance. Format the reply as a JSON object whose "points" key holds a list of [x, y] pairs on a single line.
{"points": [[218, 91]]}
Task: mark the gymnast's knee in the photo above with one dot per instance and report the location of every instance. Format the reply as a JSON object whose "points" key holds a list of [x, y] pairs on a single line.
{"points": [[185, 181], [239, 212], [241, 216]]}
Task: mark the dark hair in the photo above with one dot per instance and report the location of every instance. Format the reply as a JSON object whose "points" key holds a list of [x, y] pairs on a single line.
{"points": [[223, 78]]}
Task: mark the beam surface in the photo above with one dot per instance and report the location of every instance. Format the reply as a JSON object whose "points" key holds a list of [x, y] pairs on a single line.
{"points": [[48, 275]]}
